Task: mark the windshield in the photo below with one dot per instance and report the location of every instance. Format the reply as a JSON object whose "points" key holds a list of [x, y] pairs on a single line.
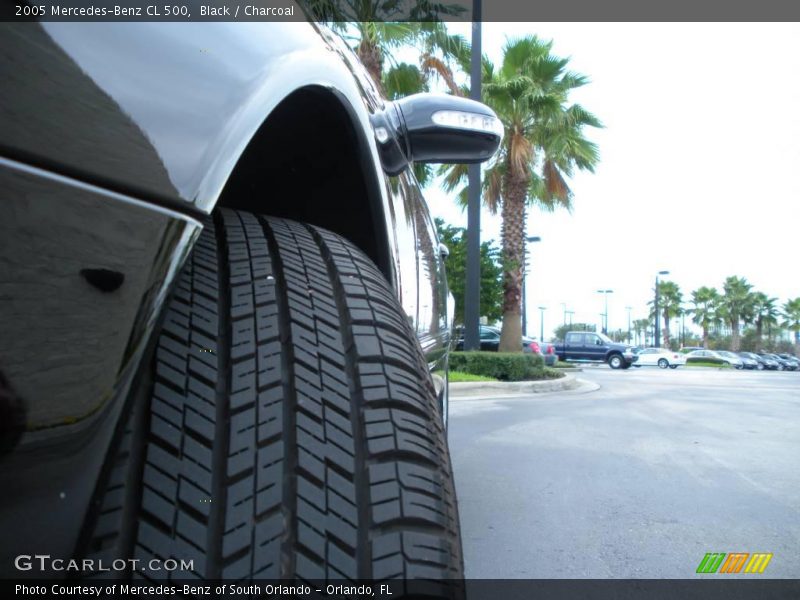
{"points": [[606, 339]]}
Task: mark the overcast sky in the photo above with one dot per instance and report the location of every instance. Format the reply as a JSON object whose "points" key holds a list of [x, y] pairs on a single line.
{"points": [[699, 171]]}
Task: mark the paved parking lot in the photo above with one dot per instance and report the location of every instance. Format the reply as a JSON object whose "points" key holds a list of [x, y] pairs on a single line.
{"points": [[638, 479]]}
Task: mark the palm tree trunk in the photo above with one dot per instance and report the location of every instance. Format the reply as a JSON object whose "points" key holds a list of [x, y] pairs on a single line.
{"points": [[735, 335], [370, 56], [705, 337], [666, 329], [513, 232]]}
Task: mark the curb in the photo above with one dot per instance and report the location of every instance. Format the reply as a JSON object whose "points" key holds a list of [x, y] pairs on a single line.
{"points": [[510, 388]]}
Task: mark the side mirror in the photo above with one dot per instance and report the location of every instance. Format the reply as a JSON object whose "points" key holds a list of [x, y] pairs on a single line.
{"points": [[436, 128]]}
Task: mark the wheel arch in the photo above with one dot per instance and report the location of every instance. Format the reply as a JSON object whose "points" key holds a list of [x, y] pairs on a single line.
{"points": [[310, 160]]}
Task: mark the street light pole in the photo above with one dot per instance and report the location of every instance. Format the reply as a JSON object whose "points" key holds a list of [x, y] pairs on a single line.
{"points": [[472, 285], [629, 309], [541, 322], [683, 327], [657, 338], [605, 314], [570, 313], [529, 239]]}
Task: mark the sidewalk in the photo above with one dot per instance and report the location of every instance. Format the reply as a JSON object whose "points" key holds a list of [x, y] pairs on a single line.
{"points": [[516, 388]]}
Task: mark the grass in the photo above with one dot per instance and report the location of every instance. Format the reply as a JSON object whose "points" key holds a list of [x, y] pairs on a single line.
{"points": [[704, 363], [560, 364], [459, 376]]}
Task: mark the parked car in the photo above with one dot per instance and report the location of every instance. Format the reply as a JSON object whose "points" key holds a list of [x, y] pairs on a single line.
{"points": [[770, 362], [548, 351], [760, 362], [588, 346], [791, 359], [490, 340], [223, 297], [732, 358], [783, 364], [706, 356], [659, 357], [748, 361], [687, 349]]}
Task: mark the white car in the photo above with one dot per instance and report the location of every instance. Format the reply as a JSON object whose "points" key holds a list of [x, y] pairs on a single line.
{"points": [[728, 358], [659, 357]]}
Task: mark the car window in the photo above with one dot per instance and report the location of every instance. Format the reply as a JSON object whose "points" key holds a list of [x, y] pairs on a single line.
{"points": [[574, 338], [592, 339]]}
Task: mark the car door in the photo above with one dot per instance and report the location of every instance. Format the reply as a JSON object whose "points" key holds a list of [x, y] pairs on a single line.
{"points": [[647, 357], [432, 326], [593, 347], [490, 340], [573, 346]]}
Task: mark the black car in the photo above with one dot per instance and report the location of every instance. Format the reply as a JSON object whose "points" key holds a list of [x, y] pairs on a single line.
{"points": [[222, 294], [750, 361], [771, 362], [792, 360], [783, 363], [490, 340]]}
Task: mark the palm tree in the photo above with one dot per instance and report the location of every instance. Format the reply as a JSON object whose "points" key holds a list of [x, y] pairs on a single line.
{"points": [[640, 327], [791, 313], [669, 303], [736, 305], [366, 25], [544, 143], [706, 303], [764, 312]]}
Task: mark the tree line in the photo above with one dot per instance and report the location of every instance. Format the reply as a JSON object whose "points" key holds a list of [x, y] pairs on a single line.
{"points": [[529, 90], [734, 308], [544, 144]]}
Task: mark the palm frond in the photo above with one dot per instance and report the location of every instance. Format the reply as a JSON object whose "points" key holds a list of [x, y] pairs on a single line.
{"points": [[402, 80], [431, 64], [453, 176]]}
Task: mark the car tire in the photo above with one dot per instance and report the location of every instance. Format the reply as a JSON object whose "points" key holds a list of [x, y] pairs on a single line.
{"points": [[760, 367], [663, 363], [615, 361], [673, 366], [291, 430]]}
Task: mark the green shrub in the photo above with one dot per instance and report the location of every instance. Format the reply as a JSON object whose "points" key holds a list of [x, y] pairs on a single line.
{"points": [[505, 366], [705, 361]]}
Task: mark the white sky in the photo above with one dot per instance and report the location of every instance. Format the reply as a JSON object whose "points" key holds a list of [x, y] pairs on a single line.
{"points": [[699, 171]]}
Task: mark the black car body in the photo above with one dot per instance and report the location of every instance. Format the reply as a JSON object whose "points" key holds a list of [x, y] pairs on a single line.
{"points": [[749, 362], [117, 141], [490, 342], [792, 360], [783, 364], [770, 362]]}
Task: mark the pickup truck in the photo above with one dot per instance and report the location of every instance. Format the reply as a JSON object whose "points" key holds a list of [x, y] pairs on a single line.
{"points": [[588, 346]]}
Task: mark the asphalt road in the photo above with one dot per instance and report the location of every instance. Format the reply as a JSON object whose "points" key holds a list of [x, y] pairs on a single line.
{"points": [[637, 479]]}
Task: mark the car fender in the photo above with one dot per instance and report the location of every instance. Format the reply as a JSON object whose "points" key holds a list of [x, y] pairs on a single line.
{"points": [[164, 116]]}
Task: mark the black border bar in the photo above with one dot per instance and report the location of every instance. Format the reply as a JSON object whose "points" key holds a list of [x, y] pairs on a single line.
{"points": [[405, 10]]}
